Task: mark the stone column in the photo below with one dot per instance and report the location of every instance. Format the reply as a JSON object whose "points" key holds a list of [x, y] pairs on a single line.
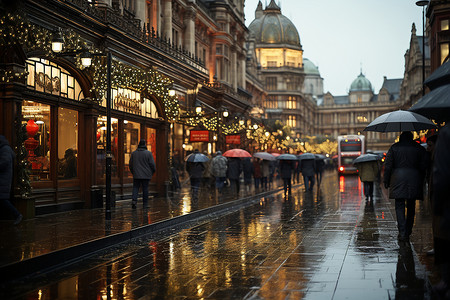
{"points": [[167, 20], [234, 74], [189, 34], [141, 9]]}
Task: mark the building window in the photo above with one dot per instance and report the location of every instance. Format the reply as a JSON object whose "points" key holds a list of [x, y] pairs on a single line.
{"points": [[361, 119], [67, 143], [343, 118], [291, 102], [271, 102], [445, 25], [291, 121], [101, 148], [359, 99], [444, 52], [222, 62], [271, 83]]}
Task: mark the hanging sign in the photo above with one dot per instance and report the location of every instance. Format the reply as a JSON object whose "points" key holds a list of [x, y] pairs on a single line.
{"points": [[233, 139], [199, 136]]}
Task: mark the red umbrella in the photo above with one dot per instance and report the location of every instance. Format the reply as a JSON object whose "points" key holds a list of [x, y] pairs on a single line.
{"points": [[237, 153], [275, 154]]}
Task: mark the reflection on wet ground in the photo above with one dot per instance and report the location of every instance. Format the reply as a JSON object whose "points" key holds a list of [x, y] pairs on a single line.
{"points": [[326, 244]]}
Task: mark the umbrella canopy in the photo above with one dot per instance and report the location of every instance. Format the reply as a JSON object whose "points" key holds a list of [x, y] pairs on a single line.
{"points": [[366, 158], [306, 156], [275, 154], [236, 153], [398, 121], [196, 157], [287, 156], [435, 104], [320, 156], [264, 155]]}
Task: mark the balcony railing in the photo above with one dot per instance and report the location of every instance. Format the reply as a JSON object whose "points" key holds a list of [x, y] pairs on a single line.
{"points": [[127, 22]]}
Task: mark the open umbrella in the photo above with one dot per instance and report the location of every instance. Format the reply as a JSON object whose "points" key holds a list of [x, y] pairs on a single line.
{"points": [[287, 156], [366, 158], [435, 104], [320, 156], [275, 154], [306, 156], [398, 121], [264, 155], [236, 153], [196, 157]]}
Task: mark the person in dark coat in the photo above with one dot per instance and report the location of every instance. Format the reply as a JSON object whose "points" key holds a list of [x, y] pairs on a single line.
{"points": [[219, 165], [308, 169], [441, 210], [70, 164], [320, 165], [142, 166], [195, 171], [286, 168], [234, 172], [404, 172], [257, 172], [247, 168], [6, 174]]}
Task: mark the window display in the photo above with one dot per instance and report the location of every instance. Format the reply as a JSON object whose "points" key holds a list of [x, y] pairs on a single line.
{"points": [[67, 143]]}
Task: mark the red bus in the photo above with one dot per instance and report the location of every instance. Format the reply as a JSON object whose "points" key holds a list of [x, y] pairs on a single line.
{"points": [[349, 148]]}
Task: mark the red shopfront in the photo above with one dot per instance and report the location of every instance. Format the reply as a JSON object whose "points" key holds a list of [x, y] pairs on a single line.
{"points": [[66, 137]]}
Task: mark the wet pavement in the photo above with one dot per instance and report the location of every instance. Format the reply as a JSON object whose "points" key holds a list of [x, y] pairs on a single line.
{"points": [[328, 244]]}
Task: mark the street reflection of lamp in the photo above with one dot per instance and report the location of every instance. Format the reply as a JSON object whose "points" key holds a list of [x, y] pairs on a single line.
{"points": [[423, 3], [86, 59]]}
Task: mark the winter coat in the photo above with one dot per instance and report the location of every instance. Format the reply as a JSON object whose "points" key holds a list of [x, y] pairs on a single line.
{"points": [[367, 171], [247, 168], [6, 168], [441, 186], [404, 170], [257, 172], [219, 165], [285, 168], [234, 168], [207, 173], [142, 164], [320, 164], [195, 169], [308, 167], [265, 168]]}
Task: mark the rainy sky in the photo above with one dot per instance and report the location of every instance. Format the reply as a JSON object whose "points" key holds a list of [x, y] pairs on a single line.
{"points": [[343, 37]]}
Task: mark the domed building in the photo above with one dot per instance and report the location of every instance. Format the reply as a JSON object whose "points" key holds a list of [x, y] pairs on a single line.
{"points": [[280, 56], [361, 90]]}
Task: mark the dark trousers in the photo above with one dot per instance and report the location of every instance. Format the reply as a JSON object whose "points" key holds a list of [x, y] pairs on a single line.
{"points": [[137, 183], [8, 210], [287, 185], [405, 220], [257, 182], [309, 182], [235, 185], [368, 189], [195, 187]]}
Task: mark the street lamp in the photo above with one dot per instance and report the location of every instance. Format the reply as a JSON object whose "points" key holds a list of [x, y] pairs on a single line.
{"points": [[423, 3], [86, 60]]}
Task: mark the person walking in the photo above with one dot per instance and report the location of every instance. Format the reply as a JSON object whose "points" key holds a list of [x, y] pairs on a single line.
{"points": [[265, 169], [234, 173], [219, 165], [404, 172], [257, 172], [368, 172], [142, 167], [441, 210], [247, 168], [6, 174], [195, 171], [320, 165], [286, 168], [308, 169]]}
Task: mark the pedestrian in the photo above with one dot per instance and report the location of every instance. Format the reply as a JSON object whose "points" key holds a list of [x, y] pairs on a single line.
{"points": [[247, 168], [441, 210], [257, 172], [368, 172], [265, 169], [297, 172], [195, 171], [219, 165], [286, 168], [207, 174], [6, 174], [404, 172], [142, 166], [234, 173], [308, 169], [320, 165]]}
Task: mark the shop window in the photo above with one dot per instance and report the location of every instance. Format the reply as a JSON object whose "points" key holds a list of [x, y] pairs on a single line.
{"points": [[67, 143], [101, 148], [45, 76], [150, 138], [36, 117], [132, 132]]}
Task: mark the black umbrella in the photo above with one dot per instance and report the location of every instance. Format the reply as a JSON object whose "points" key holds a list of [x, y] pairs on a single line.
{"points": [[366, 158], [398, 121], [306, 156], [287, 156], [320, 156], [197, 157], [435, 104]]}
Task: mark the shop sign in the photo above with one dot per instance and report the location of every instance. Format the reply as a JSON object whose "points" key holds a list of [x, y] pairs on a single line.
{"points": [[199, 136], [127, 104], [233, 139]]}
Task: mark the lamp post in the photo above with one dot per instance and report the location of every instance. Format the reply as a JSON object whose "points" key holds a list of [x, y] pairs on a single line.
{"points": [[86, 60], [423, 3]]}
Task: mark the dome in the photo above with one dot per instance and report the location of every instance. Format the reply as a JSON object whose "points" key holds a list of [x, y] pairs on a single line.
{"points": [[274, 28], [310, 68], [361, 84]]}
